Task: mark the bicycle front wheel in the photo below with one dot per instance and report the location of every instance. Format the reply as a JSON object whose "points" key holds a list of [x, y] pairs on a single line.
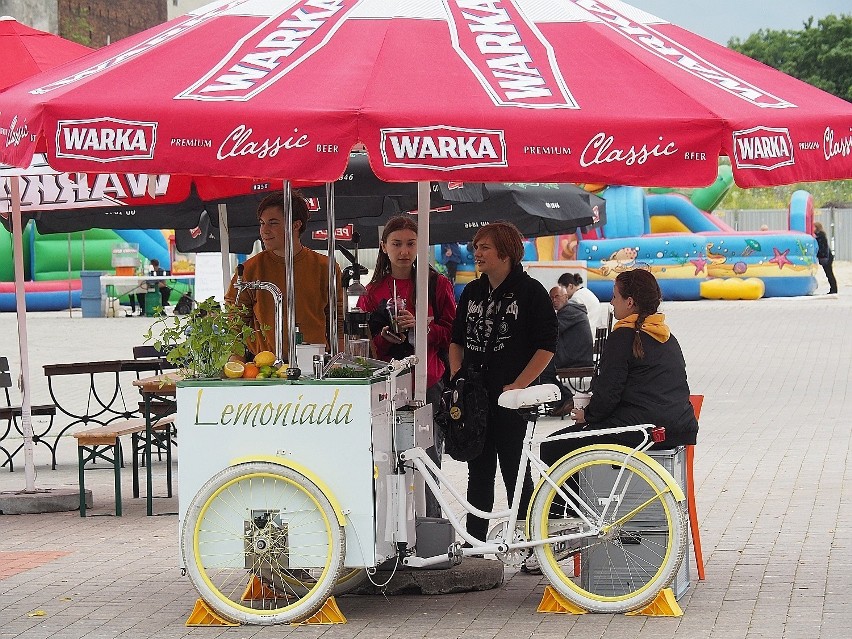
{"points": [[642, 537], [263, 521]]}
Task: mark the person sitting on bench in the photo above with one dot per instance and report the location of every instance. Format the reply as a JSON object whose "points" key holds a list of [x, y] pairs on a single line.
{"points": [[642, 375]]}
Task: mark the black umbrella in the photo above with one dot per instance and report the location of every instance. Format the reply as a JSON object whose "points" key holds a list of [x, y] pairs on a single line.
{"points": [[205, 237], [460, 209]]}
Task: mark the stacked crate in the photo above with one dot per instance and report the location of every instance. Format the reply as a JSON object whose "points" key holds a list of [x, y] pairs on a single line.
{"points": [[646, 532]]}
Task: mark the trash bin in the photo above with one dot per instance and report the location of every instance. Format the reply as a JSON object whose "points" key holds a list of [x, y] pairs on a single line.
{"points": [[91, 299], [152, 300]]}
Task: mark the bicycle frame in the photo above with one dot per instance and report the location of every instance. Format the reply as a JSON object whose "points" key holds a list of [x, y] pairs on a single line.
{"points": [[422, 462]]}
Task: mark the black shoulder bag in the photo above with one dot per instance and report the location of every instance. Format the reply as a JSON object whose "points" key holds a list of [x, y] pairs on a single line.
{"points": [[466, 405]]}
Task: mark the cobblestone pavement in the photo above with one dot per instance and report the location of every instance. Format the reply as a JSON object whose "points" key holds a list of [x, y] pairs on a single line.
{"points": [[773, 481]]}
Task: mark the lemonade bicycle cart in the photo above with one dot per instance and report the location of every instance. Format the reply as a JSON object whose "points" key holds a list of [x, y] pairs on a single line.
{"points": [[288, 491]]}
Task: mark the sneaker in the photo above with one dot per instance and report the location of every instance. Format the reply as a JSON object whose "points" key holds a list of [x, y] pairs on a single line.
{"points": [[531, 565]]}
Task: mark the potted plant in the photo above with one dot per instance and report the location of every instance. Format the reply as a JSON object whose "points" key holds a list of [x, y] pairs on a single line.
{"points": [[200, 342]]}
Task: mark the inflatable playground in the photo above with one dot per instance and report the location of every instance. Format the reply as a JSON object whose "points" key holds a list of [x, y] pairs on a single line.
{"points": [[52, 263], [692, 252]]}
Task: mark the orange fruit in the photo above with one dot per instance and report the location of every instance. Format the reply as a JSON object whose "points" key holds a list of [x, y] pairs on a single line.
{"points": [[251, 371]]}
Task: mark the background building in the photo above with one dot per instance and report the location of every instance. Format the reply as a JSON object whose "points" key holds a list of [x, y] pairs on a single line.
{"points": [[96, 23]]}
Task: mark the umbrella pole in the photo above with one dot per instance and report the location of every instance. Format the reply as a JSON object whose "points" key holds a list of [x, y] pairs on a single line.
{"points": [[21, 306], [332, 271], [225, 246], [289, 280], [422, 301], [68, 281]]}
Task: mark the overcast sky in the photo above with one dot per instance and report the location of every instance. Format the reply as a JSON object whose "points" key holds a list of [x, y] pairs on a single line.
{"points": [[721, 20]]}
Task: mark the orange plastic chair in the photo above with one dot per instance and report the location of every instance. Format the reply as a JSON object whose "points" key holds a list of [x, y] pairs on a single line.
{"points": [[696, 401]]}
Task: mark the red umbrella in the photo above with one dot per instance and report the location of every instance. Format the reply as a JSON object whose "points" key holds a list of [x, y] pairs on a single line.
{"points": [[512, 90], [28, 51], [83, 201]]}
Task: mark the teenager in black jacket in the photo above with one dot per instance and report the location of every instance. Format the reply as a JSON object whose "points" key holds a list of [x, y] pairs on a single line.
{"points": [[642, 375], [506, 300]]}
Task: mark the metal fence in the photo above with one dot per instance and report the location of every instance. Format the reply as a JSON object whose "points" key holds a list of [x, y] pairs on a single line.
{"points": [[837, 223]]}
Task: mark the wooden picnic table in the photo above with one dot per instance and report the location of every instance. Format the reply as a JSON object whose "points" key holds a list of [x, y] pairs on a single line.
{"points": [[101, 407]]}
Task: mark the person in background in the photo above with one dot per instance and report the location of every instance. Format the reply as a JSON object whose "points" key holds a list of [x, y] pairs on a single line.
{"points": [[451, 258], [574, 346], [394, 277], [579, 294], [825, 257], [310, 275], [506, 328], [165, 291]]}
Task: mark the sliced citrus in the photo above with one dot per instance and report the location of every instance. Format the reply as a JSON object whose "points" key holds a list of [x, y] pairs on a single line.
{"points": [[264, 358], [250, 371], [233, 370]]}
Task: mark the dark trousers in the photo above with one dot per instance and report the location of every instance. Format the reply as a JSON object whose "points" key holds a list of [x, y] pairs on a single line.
{"points": [[452, 268], [552, 451], [137, 297], [165, 292], [829, 274], [504, 440]]}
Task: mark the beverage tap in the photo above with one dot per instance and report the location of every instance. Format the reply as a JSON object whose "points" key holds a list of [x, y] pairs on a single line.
{"points": [[272, 289]]}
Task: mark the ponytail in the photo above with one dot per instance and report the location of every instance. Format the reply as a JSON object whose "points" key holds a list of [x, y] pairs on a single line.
{"points": [[638, 349], [642, 286]]}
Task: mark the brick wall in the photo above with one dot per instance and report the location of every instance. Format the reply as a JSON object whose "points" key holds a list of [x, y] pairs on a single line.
{"points": [[96, 23]]}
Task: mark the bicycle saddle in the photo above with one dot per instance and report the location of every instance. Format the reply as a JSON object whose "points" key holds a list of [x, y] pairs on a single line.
{"points": [[530, 396]]}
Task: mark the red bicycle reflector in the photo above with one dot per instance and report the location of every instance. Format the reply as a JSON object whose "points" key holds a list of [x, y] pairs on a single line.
{"points": [[658, 434]]}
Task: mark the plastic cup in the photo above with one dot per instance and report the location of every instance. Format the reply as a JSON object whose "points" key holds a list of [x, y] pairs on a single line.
{"points": [[581, 400]]}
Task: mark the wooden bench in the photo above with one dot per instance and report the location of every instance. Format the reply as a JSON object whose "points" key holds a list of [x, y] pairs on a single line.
{"points": [[104, 442]]}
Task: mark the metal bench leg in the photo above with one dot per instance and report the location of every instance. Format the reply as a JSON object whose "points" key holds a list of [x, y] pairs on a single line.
{"points": [[117, 457], [81, 463], [135, 449]]}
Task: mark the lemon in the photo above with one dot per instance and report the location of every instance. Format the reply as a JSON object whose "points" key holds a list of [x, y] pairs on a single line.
{"points": [[264, 358], [282, 372], [234, 370]]}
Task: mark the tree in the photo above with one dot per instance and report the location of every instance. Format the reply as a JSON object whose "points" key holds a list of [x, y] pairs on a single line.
{"points": [[819, 55], [74, 25]]}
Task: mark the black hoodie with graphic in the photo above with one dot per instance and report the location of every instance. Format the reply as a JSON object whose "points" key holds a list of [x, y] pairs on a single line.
{"points": [[525, 323]]}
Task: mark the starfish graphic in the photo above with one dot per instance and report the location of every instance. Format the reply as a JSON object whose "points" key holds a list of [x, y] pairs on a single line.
{"points": [[780, 257], [699, 264]]}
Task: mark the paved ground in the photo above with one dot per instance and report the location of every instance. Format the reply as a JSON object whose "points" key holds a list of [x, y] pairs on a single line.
{"points": [[774, 496]]}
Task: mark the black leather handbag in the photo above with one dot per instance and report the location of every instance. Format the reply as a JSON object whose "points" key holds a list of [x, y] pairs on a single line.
{"points": [[465, 415]]}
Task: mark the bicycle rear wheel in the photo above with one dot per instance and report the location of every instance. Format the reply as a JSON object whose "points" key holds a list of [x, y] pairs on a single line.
{"points": [[642, 539], [266, 521]]}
